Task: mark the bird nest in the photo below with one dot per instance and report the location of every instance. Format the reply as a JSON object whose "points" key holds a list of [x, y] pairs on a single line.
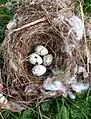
{"points": [[43, 23]]}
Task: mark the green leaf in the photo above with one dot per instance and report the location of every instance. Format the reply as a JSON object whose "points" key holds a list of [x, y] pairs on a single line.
{"points": [[3, 1], [89, 99], [45, 106], [5, 16], [65, 113], [81, 95], [27, 114]]}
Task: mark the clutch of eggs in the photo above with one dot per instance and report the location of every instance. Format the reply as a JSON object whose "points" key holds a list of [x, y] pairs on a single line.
{"points": [[40, 63]]}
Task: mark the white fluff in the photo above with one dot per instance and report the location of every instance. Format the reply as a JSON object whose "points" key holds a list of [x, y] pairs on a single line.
{"points": [[35, 59], [3, 100], [41, 50], [78, 87], [38, 70], [71, 95], [1, 95], [72, 80], [53, 85], [11, 24], [47, 60], [78, 26]]}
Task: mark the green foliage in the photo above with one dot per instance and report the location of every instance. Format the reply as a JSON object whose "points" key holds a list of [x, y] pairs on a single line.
{"points": [[27, 114], [65, 113], [3, 1], [87, 6], [5, 16], [62, 108], [45, 106], [59, 108], [6, 114]]}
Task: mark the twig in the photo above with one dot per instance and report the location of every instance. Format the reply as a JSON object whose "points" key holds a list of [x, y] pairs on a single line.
{"points": [[86, 46], [46, 13], [30, 24], [40, 113]]}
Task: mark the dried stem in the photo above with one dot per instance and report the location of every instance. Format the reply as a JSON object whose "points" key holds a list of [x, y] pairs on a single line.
{"points": [[30, 24], [86, 46]]}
